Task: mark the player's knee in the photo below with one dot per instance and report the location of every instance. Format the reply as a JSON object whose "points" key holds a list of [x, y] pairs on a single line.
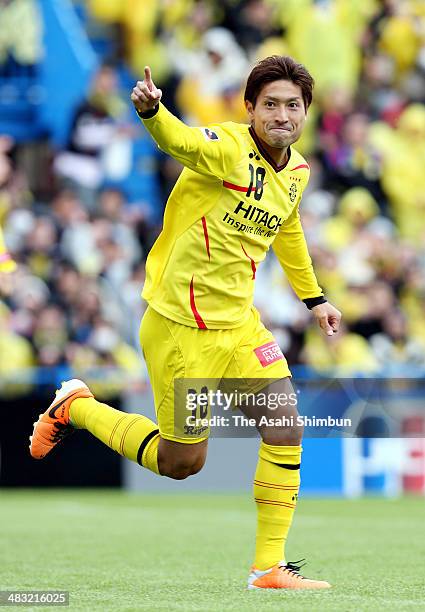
{"points": [[198, 464], [178, 473], [180, 470], [178, 461]]}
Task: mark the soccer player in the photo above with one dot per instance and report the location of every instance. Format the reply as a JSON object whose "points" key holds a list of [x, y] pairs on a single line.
{"points": [[237, 196]]}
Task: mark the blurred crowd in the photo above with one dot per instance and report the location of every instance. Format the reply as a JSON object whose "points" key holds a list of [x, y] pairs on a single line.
{"points": [[79, 223]]}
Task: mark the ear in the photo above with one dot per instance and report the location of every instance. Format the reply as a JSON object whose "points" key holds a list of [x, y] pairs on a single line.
{"points": [[250, 110]]}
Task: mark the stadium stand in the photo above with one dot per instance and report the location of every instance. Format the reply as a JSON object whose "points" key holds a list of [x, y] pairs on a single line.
{"points": [[80, 238]]}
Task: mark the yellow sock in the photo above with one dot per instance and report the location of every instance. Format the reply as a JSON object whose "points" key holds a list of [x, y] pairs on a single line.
{"points": [[276, 485], [132, 435]]}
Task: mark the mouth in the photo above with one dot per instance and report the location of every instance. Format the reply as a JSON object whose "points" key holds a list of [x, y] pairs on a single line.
{"points": [[280, 129]]}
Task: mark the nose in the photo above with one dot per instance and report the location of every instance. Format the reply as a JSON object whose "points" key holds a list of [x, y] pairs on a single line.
{"points": [[282, 114]]}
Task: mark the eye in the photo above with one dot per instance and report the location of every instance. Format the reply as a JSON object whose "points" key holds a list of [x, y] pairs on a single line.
{"points": [[269, 104], [294, 105]]}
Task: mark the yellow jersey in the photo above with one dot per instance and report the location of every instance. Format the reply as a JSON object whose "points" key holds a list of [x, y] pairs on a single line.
{"points": [[230, 204]]}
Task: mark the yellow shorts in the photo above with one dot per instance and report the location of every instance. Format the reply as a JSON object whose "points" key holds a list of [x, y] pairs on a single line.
{"points": [[173, 350]]}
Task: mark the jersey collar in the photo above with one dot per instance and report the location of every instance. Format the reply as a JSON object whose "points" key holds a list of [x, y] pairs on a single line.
{"points": [[264, 153]]}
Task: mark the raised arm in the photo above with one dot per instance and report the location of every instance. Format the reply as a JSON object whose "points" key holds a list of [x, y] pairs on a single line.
{"points": [[211, 150]]}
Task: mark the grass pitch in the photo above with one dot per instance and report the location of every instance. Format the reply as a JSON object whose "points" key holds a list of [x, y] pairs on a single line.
{"points": [[117, 551]]}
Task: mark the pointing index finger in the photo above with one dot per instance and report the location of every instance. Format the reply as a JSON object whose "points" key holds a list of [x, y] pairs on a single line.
{"points": [[148, 78]]}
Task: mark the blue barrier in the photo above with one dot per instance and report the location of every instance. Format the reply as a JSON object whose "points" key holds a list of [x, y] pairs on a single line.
{"points": [[40, 100], [67, 69]]}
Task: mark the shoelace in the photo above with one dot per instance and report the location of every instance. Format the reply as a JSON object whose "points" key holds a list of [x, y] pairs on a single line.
{"points": [[293, 567], [61, 430]]}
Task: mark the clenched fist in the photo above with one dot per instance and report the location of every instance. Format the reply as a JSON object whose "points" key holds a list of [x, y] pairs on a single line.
{"points": [[145, 95]]}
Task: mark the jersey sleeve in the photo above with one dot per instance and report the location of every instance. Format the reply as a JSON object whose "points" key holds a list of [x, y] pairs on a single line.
{"points": [[6, 262], [213, 150], [291, 250]]}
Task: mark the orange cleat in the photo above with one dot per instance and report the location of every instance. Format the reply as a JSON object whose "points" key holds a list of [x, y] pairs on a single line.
{"points": [[283, 576], [54, 425]]}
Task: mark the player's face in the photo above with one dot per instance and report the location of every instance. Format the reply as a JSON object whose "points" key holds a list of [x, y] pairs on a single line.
{"points": [[279, 114]]}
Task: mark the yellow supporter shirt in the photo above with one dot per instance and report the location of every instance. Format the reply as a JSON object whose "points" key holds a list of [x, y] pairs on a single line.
{"points": [[6, 262], [230, 204]]}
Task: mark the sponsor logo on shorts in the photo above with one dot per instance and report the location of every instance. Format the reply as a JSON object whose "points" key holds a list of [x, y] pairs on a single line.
{"points": [[268, 353], [209, 134]]}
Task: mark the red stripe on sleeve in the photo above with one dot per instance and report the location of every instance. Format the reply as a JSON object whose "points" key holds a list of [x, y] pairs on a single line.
{"points": [[300, 166], [207, 240], [235, 187], [196, 314], [253, 266]]}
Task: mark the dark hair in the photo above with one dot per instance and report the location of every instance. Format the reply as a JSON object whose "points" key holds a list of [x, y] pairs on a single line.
{"points": [[278, 67]]}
